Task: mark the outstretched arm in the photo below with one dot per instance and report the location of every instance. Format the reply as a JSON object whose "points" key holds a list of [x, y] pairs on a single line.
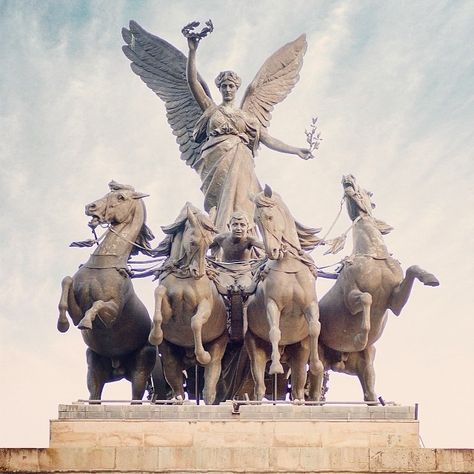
{"points": [[191, 74], [278, 145], [253, 242]]}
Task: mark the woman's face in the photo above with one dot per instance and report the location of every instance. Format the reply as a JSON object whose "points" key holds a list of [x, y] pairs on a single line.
{"points": [[228, 90]]}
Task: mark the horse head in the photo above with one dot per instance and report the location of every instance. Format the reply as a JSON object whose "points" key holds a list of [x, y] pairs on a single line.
{"points": [[275, 223], [116, 207], [360, 205], [188, 239]]}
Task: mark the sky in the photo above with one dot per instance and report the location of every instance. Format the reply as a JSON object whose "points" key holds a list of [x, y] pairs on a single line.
{"points": [[391, 85]]}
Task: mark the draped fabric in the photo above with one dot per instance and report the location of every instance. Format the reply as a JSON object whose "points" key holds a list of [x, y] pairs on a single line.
{"points": [[226, 164]]}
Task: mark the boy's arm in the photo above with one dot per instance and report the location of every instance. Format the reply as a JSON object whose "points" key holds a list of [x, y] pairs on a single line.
{"points": [[253, 242], [215, 247]]}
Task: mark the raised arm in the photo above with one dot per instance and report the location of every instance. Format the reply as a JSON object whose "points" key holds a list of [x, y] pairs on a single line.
{"points": [[191, 74], [278, 145]]}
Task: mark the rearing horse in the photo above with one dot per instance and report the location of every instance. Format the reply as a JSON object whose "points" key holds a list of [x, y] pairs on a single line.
{"points": [[189, 312], [353, 313], [101, 301], [283, 313]]}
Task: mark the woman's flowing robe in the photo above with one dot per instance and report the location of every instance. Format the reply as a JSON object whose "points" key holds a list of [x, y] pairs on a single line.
{"points": [[226, 165]]}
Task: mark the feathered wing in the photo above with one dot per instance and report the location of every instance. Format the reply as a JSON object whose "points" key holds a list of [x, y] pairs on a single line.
{"points": [[162, 68], [274, 81]]}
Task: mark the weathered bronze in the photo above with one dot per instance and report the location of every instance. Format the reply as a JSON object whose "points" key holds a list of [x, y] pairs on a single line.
{"points": [[283, 313], [353, 313], [218, 141], [189, 312], [101, 301]]}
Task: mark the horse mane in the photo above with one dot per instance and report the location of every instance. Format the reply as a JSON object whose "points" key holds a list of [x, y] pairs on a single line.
{"points": [[143, 240], [307, 236], [170, 246]]}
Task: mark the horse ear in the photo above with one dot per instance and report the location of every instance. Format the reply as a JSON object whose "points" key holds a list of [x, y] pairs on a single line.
{"points": [[137, 195], [190, 214], [267, 191]]}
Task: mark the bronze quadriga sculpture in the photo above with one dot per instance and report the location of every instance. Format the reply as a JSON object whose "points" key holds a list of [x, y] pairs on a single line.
{"points": [[101, 301]]}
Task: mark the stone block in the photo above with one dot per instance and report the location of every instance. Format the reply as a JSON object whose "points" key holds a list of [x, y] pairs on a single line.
{"points": [[136, 459], [24, 459], [77, 459], [292, 434], [166, 434], [455, 460], [403, 460]]}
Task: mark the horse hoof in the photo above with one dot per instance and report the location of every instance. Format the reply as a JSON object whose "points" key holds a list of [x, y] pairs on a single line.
{"points": [[177, 400], [276, 368], [84, 324], [429, 280], [297, 401], [204, 358], [63, 326]]}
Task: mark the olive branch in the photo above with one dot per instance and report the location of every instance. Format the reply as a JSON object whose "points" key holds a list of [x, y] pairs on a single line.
{"points": [[313, 136]]}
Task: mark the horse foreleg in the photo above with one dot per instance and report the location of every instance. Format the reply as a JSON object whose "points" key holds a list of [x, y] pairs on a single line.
{"points": [[156, 333], [273, 317], [197, 322], [360, 302], [312, 317], [402, 292], [212, 371], [258, 360], [99, 371], [63, 323], [106, 310]]}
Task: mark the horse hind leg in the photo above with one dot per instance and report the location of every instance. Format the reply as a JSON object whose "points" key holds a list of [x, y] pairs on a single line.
{"points": [[156, 333], [173, 367], [402, 292], [273, 317], [63, 323], [297, 357], [140, 368], [212, 370], [99, 371], [258, 360], [358, 301]]}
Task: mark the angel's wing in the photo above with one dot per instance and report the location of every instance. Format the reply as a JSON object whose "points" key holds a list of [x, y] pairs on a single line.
{"points": [[163, 69], [274, 80]]}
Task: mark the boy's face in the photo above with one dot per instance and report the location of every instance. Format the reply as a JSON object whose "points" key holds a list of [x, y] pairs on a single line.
{"points": [[238, 227]]}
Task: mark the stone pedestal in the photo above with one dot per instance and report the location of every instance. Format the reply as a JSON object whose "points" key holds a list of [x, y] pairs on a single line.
{"points": [[257, 439]]}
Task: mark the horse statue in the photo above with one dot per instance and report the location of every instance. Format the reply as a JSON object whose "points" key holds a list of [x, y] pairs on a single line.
{"points": [[101, 301], [282, 315], [353, 313], [190, 319]]}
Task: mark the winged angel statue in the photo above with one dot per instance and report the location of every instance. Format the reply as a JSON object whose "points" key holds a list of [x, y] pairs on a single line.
{"points": [[218, 141]]}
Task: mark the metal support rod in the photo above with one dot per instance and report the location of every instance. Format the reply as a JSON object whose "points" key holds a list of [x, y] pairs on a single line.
{"points": [[196, 384], [275, 387]]}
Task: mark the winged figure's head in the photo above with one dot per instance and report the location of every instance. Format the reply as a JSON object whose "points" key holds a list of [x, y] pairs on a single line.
{"points": [[228, 82]]}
